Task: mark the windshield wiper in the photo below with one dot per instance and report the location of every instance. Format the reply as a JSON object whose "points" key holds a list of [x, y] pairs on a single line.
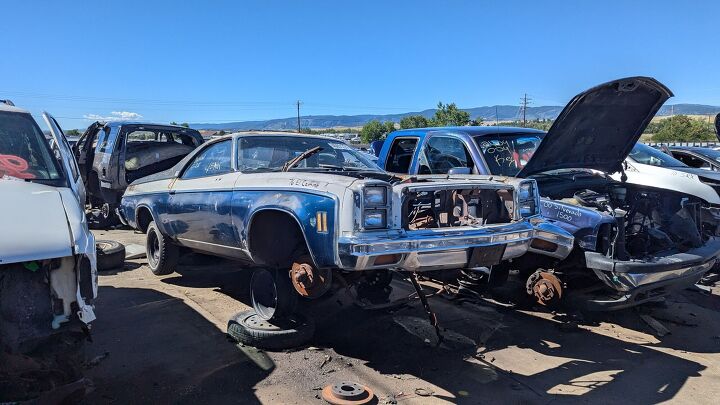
{"points": [[299, 158], [343, 168]]}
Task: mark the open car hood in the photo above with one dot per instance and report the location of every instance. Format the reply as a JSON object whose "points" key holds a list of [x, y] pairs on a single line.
{"points": [[599, 127], [717, 126]]}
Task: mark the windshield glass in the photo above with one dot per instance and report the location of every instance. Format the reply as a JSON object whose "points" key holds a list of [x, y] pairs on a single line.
{"points": [[647, 155], [24, 150], [506, 154], [269, 153]]}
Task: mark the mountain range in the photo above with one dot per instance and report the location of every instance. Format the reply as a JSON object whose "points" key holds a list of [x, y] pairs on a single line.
{"points": [[488, 114]]}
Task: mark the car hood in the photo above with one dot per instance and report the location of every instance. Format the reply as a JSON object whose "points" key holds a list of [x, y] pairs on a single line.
{"points": [[599, 127], [717, 126], [33, 222]]}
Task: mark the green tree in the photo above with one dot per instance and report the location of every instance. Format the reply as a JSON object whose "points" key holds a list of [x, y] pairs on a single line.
{"points": [[682, 128], [449, 115], [185, 124], [72, 132], [374, 130], [414, 121], [221, 132], [173, 123]]}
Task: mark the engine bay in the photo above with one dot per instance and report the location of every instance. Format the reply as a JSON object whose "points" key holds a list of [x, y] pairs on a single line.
{"points": [[647, 221], [425, 209]]}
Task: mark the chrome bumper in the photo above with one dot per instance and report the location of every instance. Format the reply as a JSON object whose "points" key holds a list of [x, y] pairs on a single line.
{"points": [[449, 248]]}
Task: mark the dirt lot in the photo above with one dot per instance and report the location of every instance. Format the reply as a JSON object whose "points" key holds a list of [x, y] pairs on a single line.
{"points": [[162, 340]]}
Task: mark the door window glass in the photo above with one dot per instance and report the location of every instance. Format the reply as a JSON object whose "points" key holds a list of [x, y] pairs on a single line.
{"points": [[444, 153], [213, 161], [691, 160], [401, 154]]}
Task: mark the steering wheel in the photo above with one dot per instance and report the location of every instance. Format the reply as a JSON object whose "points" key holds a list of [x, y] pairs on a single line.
{"points": [[444, 162]]}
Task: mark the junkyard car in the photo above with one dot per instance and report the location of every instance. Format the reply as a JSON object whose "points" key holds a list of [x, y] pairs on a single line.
{"points": [[47, 255], [114, 154], [633, 242], [307, 206]]}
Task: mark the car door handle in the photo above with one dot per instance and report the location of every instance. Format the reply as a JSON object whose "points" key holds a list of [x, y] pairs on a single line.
{"points": [[171, 192]]}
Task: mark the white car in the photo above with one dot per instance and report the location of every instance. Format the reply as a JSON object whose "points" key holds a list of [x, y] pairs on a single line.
{"points": [[48, 274]]}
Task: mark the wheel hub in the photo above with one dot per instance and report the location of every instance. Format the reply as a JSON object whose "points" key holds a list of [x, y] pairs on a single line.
{"points": [[347, 393], [546, 288], [308, 281]]}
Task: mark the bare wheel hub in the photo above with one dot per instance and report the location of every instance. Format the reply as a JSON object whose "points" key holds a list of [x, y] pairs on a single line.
{"points": [[308, 281], [347, 393], [546, 288]]}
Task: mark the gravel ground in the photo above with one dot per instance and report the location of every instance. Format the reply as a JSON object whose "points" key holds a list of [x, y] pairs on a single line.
{"points": [[162, 340]]}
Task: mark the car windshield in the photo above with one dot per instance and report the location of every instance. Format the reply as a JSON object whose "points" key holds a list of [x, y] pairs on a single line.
{"points": [[270, 153], [647, 155], [507, 154], [24, 151]]}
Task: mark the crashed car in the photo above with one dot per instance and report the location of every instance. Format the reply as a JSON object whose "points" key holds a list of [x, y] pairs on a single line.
{"points": [[305, 209], [48, 275], [634, 243], [114, 154]]}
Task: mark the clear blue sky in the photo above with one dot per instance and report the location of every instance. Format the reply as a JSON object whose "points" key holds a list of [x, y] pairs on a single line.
{"points": [[216, 61]]}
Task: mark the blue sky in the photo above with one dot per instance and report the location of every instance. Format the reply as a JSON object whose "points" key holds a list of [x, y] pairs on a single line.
{"points": [[217, 61]]}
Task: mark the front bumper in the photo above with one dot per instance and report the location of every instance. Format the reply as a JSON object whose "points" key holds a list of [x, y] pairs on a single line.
{"points": [[448, 248], [637, 281]]}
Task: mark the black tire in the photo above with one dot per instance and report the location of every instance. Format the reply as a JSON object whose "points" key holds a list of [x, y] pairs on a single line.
{"points": [[249, 329], [103, 217], [162, 253], [272, 294], [110, 255]]}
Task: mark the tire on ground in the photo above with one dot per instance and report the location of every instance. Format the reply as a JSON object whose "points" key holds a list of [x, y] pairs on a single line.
{"points": [[249, 329], [163, 256], [110, 254]]}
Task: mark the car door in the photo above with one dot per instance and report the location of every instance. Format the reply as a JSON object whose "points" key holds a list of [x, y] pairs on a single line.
{"points": [[201, 200], [68, 159], [691, 160], [84, 150]]}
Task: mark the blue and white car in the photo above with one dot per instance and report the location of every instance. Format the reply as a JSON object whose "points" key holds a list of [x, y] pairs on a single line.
{"points": [[301, 207]]}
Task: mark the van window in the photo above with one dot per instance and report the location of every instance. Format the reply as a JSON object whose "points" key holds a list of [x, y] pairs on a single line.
{"points": [[400, 155]]}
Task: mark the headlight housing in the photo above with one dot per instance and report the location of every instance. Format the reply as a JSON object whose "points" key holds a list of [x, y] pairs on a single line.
{"points": [[528, 199], [374, 219], [375, 206]]}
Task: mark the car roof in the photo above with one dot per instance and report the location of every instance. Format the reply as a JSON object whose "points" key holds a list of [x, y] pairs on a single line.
{"points": [[12, 108], [121, 123], [289, 134], [472, 131]]}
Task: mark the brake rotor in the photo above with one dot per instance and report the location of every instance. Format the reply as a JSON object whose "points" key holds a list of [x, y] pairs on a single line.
{"points": [[546, 288], [308, 281], [347, 393]]}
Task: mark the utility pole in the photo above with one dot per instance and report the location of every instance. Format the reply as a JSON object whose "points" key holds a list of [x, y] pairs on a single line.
{"points": [[524, 103], [496, 116], [298, 114]]}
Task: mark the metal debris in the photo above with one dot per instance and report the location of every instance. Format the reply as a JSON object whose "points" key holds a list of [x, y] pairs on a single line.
{"points": [[347, 393], [659, 328], [326, 360], [424, 392]]}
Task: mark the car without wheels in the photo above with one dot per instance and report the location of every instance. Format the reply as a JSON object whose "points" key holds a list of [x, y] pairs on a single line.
{"points": [[305, 209], [634, 242], [114, 154], [48, 275]]}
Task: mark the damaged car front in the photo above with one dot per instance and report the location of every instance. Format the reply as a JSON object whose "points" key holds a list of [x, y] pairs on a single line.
{"points": [[47, 255], [641, 241]]}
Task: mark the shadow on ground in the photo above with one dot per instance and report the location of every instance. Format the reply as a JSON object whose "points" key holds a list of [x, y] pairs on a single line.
{"points": [[159, 350]]}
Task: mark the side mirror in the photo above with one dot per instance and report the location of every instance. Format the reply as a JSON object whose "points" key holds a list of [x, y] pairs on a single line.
{"points": [[459, 170]]}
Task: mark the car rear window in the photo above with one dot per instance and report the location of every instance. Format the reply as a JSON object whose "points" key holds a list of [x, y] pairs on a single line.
{"points": [[507, 154]]}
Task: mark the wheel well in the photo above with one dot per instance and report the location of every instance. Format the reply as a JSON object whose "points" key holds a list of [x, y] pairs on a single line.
{"points": [[275, 239], [143, 217]]}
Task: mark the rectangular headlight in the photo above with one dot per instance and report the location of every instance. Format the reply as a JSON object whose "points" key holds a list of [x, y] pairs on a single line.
{"points": [[374, 219], [527, 191], [374, 196]]}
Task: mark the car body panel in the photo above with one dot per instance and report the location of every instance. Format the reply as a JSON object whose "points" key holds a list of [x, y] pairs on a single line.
{"points": [[600, 126]]}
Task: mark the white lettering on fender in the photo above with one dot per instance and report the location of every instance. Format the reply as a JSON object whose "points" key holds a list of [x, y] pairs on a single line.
{"points": [[304, 183], [563, 211]]}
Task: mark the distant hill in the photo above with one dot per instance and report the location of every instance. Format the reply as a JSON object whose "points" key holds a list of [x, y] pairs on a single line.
{"points": [[488, 114]]}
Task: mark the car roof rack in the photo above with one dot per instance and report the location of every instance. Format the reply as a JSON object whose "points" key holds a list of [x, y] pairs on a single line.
{"points": [[8, 102]]}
